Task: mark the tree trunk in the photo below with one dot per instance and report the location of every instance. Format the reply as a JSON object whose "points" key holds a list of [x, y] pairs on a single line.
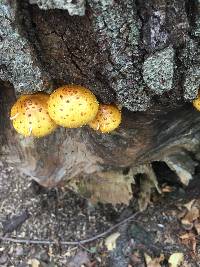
{"points": [[142, 55]]}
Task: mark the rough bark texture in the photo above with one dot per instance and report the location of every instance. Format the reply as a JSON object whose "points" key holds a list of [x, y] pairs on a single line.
{"points": [[143, 55]]}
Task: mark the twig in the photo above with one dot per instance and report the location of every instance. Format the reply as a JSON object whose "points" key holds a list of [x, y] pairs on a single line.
{"points": [[85, 241]]}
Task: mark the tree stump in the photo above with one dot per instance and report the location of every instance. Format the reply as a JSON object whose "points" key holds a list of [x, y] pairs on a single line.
{"points": [[142, 55]]}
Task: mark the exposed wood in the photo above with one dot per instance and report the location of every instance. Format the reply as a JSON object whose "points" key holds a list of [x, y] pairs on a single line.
{"points": [[142, 138]]}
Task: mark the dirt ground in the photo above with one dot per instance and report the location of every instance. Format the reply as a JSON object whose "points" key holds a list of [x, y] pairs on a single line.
{"points": [[30, 212]]}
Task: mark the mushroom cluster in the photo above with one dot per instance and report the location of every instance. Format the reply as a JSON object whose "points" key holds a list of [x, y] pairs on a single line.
{"points": [[70, 106]]}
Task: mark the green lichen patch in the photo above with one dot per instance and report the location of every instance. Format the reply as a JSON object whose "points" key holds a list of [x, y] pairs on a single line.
{"points": [[73, 7], [192, 83], [158, 70], [190, 59], [118, 34], [19, 63]]}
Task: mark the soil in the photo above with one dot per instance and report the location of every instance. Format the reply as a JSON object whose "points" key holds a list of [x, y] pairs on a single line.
{"points": [[28, 211]]}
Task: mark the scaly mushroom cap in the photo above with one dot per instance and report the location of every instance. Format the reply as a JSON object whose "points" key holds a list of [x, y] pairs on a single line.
{"points": [[108, 119], [72, 106], [30, 116], [196, 102]]}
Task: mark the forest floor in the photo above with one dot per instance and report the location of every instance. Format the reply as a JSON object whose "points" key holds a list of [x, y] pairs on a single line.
{"points": [[170, 225]]}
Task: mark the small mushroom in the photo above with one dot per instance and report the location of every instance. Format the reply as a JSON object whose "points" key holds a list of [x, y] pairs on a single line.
{"points": [[108, 119], [30, 115], [196, 102], [72, 106]]}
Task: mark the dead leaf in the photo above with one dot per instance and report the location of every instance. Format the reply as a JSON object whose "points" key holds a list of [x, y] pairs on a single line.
{"points": [[80, 259], [110, 241], [153, 262], [190, 217], [189, 239], [181, 214], [176, 259], [197, 227], [148, 259], [186, 236], [34, 262], [189, 204]]}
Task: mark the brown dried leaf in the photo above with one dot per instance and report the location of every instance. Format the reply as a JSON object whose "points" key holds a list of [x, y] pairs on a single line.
{"points": [[190, 217], [189, 239], [197, 227], [189, 204], [189, 235], [153, 262]]}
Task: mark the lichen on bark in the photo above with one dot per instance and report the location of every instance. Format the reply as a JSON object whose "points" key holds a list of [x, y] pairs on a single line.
{"points": [[158, 71], [117, 29], [190, 59], [18, 62], [76, 7]]}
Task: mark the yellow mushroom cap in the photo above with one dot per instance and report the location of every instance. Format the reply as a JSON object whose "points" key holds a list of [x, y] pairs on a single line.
{"points": [[108, 118], [30, 116], [72, 106], [196, 102]]}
